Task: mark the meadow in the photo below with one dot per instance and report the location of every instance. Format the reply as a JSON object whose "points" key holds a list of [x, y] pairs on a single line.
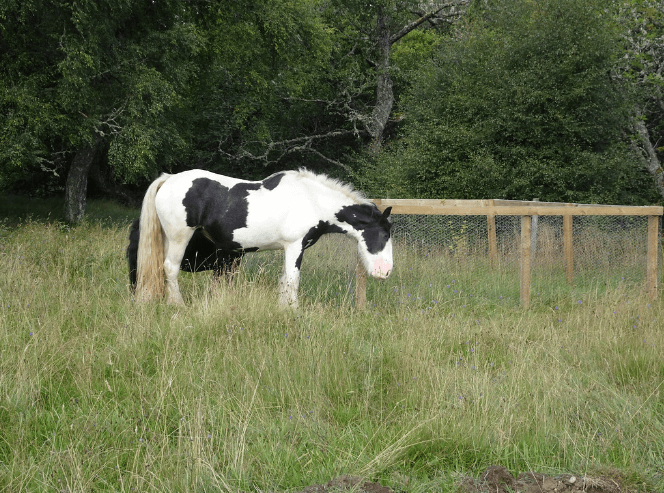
{"points": [[442, 375]]}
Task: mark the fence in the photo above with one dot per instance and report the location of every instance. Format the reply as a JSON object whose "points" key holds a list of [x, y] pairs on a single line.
{"points": [[606, 231]]}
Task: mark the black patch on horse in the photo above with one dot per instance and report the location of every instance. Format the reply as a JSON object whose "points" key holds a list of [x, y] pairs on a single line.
{"points": [[373, 224], [313, 235], [132, 251], [272, 181], [218, 209], [201, 254]]}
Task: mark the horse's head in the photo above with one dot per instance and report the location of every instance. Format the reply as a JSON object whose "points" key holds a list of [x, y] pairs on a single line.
{"points": [[372, 230]]}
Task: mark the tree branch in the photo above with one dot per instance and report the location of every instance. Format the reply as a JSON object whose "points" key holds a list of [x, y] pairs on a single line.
{"points": [[111, 124], [426, 17], [289, 146]]}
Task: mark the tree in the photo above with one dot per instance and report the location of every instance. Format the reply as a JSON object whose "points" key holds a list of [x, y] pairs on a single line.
{"points": [[85, 76], [388, 26], [258, 61], [233, 87], [642, 67], [346, 96], [520, 104]]}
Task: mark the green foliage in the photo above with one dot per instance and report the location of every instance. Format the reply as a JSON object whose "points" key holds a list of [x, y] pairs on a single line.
{"points": [[415, 51], [521, 99], [261, 65], [115, 69], [520, 104], [642, 24]]}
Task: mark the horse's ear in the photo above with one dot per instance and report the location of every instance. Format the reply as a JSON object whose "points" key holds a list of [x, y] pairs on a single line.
{"points": [[386, 212]]}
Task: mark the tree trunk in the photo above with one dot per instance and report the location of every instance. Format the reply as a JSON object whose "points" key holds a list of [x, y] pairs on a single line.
{"points": [[384, 93], [101, 180], [380, 115], [649, 154], [76, 189]]}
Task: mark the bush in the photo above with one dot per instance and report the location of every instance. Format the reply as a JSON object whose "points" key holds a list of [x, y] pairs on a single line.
{"points": [[520, 104]]}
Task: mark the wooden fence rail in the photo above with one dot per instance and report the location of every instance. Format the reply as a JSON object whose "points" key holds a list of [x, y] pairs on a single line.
{"points": [[527, 210]]}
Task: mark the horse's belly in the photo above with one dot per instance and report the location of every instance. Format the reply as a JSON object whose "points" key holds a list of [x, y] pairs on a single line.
{"points": [[261, 239], [275, 219], [271, 233]]}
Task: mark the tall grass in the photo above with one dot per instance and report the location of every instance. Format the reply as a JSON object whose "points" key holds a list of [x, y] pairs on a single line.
{"points": [[442, 374]]}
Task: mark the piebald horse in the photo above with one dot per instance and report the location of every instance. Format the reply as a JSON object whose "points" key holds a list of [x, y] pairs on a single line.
{"points": [[199, 220]]}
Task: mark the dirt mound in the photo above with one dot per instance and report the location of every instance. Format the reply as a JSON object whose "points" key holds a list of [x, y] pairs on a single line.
{"points": [[347, 483], [495, 479]]}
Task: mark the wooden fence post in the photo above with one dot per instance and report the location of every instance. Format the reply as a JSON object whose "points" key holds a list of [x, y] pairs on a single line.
{"points": [[491, 231], [524, 290], [568, 247], [652, 256]]}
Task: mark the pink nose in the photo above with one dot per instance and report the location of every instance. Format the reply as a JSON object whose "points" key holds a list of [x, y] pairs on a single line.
{"points": [[381, 268]]}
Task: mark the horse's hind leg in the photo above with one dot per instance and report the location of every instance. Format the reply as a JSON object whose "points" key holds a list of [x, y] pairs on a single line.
{"points": [[172, 259]]}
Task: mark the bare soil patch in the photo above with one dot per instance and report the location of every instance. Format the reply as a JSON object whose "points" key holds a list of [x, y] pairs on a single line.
{"points": [[495, 479], [347, 483]]}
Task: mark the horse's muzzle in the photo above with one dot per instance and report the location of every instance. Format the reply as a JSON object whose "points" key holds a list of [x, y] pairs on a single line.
{"points": [[381, 269]]}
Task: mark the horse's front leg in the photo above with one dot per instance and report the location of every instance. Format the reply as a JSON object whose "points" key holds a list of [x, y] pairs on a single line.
{"points": [[290, 278]]}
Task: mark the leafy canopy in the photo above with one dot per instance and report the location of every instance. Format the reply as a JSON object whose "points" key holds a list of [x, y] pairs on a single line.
{"points": [[519, 103]]}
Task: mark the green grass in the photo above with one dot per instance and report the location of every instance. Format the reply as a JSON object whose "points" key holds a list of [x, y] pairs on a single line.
{"points": [[232, 393]]}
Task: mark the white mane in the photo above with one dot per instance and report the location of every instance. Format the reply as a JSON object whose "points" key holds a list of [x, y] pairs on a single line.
{"points": [[334, 184]]}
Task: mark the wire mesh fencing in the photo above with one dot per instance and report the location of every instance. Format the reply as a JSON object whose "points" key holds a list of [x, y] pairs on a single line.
{"points": [[542, 246], [603, 246]]}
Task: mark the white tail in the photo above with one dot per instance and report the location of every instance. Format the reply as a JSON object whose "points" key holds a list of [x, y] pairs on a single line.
{"points": [[150, 264]]}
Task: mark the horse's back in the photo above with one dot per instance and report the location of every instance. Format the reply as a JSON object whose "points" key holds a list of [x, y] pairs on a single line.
{"points": [[241, 214], [190, 191], [181, 183]]}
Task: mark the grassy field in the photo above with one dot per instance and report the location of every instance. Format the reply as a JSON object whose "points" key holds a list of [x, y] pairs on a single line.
{"points": [[442, 375]]}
